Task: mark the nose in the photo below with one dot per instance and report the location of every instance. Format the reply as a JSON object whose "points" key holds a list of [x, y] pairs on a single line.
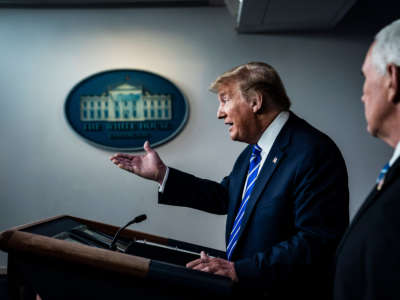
{"points": [[220, 112]]}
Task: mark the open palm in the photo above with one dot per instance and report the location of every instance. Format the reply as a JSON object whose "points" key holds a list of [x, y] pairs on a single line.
{"points": [[148, 165]]}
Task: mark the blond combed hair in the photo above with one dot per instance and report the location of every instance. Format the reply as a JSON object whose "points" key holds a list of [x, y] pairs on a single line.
{"points": [[256, 77]]}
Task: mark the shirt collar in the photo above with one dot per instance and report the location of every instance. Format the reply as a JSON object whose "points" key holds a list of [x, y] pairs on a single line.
{"points": [[396, 154], [270, 134]]}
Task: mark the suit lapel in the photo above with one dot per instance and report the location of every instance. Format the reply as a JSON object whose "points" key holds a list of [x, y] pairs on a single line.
{"points": [[237, 181], [393, 173], [262, 180], [390, 176], [274, 158]]}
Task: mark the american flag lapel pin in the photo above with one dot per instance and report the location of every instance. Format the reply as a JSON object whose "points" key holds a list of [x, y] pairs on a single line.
{"points": [[275, 160]]}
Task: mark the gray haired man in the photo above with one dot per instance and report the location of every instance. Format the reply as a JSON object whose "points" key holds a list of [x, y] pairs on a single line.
{"points": [[368, 257]]}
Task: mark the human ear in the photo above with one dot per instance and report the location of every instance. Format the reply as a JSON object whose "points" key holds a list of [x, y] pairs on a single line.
{"points": [[393, 84], [256, 102]]}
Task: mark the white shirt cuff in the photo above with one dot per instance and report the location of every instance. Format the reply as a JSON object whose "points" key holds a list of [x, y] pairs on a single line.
{"points": [[162, 186]]}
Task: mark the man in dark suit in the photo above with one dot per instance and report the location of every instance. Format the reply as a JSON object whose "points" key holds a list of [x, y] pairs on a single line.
{"points": [[368, 257], [286, 198]]}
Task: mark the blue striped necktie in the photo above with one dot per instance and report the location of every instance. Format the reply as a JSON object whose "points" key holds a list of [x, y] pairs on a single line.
{"points": [[381, 177], [255, 160]]}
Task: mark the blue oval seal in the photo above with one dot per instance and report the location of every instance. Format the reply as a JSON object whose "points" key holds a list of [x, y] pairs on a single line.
{"points": [[121, 109]]}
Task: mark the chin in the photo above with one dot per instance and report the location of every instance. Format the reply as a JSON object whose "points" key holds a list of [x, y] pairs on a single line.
{"points": [[372, 131], [236, 138], [233, 136]]}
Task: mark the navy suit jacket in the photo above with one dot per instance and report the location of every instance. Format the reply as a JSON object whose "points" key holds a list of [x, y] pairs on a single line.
{"points": [[368, 257], [294, 219]]}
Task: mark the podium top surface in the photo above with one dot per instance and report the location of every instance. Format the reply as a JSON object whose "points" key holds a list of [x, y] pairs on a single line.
{"points": [[156, 259]]}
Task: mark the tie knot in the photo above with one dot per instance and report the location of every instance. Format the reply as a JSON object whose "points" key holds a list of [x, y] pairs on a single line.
{"points": [[386, 167], [383, 173], [256, 149]]}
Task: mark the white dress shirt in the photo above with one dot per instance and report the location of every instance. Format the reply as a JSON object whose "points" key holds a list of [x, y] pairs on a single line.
{"points": [[396, 155]]}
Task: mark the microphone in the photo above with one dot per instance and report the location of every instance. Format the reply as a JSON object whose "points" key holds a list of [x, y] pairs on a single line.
{"points": [[138, 219]]}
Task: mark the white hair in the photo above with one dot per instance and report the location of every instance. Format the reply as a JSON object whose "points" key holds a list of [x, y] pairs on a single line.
{"points": [[387, 47]]}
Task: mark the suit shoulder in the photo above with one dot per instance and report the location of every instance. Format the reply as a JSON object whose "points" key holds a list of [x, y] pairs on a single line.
{"points": [[380, 221], [306, 136]]}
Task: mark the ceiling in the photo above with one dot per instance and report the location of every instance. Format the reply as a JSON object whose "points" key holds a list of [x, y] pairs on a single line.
{"points": [[282, 15], [132, 3], [257, 16]]}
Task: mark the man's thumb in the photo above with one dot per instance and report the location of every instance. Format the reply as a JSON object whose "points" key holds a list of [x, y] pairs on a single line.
{"points": [[203, 255], [147, 147]]}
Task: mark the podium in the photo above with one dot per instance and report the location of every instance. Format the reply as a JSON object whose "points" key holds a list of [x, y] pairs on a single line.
{"points": [[68, 258]]}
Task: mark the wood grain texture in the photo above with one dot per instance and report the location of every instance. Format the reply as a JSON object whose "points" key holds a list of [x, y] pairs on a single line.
{"points": [[23, 242]]}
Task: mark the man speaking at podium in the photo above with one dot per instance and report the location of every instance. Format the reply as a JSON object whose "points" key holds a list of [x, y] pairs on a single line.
{"points": [[286, 198]]}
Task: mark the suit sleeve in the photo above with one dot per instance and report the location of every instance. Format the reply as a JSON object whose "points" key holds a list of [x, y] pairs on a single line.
{"points": [[319, 195], [183, 189]]}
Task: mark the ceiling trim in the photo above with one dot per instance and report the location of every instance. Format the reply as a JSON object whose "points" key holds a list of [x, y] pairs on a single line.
{"points": [[106, 3]]}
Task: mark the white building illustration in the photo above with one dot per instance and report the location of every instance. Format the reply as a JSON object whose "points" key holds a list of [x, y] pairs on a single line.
{"points": [[126, 103]]}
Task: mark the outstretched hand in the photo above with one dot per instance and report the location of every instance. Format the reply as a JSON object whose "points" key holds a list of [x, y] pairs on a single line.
{"points": [[214, 265], [148, 165]]}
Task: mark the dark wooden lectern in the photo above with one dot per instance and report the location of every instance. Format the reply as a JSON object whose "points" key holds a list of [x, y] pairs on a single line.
{"points": [[67, 258]]}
